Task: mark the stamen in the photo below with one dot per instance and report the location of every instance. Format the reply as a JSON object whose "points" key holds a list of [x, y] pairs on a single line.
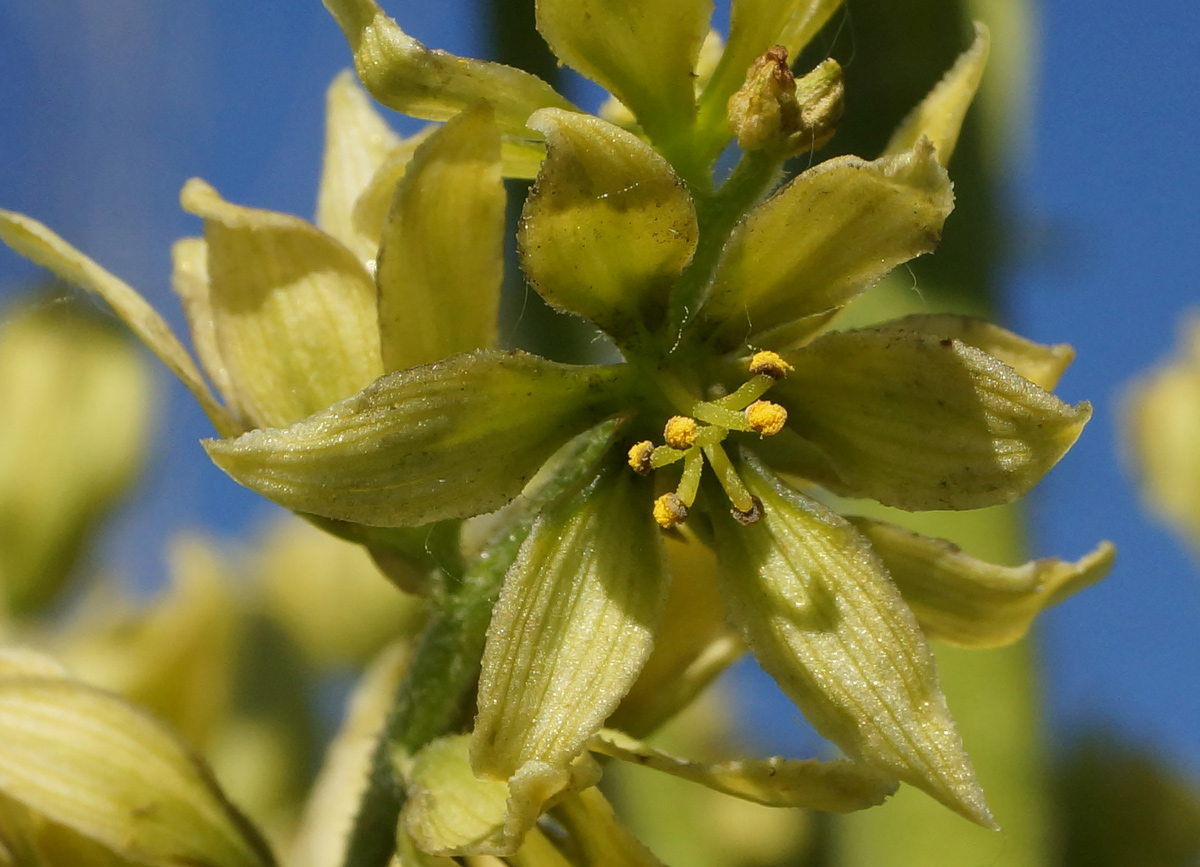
{"points": [[769, 364], [728, 477], [750, 517], [714, 414], [766, 418], [669, 511], [680, 432], [689, 484], [639, 457], [664, 456], [748, 392]]}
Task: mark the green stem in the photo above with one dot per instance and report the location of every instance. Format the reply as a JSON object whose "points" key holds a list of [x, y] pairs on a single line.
{"points": [[446, 660], [717, 214]]}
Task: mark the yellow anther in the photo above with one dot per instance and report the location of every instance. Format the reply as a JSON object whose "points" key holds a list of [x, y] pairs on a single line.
{"points": [[680, 432], [669, 511], [766, 418], [769, 364], [639, 457]]}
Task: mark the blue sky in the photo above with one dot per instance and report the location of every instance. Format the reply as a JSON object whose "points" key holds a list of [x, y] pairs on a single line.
{"points": [[108, 106]]}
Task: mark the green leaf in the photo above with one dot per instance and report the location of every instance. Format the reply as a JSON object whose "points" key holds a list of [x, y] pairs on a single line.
{"points": [[404, 75], [441, 260], [965, 601], [572, 628], [447, 440], [294, 310], [818, 609], [608, 227], [924, 422], [832, 232]]}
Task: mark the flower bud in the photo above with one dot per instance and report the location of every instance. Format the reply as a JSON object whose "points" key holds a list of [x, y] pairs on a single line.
{"points": [[774, 111]]}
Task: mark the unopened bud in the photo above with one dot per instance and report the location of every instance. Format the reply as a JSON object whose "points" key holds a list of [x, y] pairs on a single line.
{"points": [[773, 110]]}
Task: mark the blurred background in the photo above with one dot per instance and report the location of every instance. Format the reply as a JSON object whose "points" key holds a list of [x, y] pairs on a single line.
{"points": [[1078, 206]]}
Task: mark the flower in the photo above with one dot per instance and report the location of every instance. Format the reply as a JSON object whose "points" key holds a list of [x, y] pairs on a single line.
{"points": [[366, 388]]}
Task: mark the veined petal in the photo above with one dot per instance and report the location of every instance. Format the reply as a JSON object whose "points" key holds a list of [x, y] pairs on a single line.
{"points": [[693, 645], [36, 242], [965, 601], [754, 26], [357, 142], [572, 628], [816, 606], [294, 310], [1040, 364], [88, 760], [189, 280], [404, 75], [940, 114], [839, 786], [441, 260], [834, 231], [921, 422], [643, 53], [597, 833], [608, 226], [447, 440]]}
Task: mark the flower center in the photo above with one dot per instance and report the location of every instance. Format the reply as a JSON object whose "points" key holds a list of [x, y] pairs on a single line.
{"points": [[696, 438]]}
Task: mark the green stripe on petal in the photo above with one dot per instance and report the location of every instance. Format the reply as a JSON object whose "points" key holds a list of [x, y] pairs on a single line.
{"points": [[608, 227], [357, 143], [921, 422], [839, 786], [643, 53], [404, 75], [573, 627], [818, 609], [940, 114], [441, 260], [294, 310], [755, 26], [446, 440], [90, 761], [37, 243], [965, 601], [1040, 364], [834, 231]]}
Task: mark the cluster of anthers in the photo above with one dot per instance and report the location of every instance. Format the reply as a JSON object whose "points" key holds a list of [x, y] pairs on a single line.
{"points": [[692, 438]]}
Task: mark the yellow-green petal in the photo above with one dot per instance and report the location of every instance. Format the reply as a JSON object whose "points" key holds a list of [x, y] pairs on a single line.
{"points": [[924, 422], [965, 601], [834, 231], [838, 786], [818, 609], [357, 142], [572, 628], [189, 280], [693, 645], [755, 26], [36, 242], [1041, 364], [441, 260], [448, 809], [404, 75], [89, 761], [1162, 420], [940, 114], [608, 226], [598, 835], [294, 309], [643, 53], [446, 440]]}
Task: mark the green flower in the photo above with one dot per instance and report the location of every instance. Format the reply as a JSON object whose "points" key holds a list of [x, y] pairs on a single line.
{"points": [[367, 389]]}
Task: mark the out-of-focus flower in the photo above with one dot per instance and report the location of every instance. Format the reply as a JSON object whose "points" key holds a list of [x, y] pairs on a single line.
{"points": [[74, 402], [364, 387], [1163, 425]]}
